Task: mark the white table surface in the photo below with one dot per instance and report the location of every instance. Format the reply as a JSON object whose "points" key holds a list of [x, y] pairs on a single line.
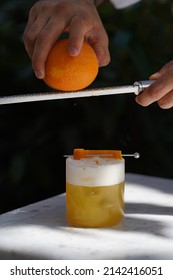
{"points": [[40, 231]]}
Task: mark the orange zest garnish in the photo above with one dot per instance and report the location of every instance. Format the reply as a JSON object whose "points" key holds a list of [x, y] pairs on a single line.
{"points": [[81, 153]]}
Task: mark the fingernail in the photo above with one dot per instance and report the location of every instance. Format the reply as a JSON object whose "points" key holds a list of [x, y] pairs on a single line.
{"points": [[39, 74], [73, 51]]}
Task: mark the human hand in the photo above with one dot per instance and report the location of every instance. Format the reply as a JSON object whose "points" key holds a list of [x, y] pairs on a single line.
{"points": [[161, 90], [48, 19]]}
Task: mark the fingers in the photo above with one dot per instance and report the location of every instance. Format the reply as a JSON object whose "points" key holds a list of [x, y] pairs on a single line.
{"points": [[28, 47], [43, 44], [161, 91], [40, 34], [167, 67], [166, 102], [100, 42], [77, 30], [96, 37], [38, 17], [39, 42], [49, 19]]}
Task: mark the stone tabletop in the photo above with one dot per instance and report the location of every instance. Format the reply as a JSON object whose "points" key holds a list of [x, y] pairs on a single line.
{"points": [[40, 231]]}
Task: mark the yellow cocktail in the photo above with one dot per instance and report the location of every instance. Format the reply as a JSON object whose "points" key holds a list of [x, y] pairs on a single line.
{"points": [[94, 191]]}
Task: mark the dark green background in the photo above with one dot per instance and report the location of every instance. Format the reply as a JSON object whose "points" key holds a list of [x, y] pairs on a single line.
{"points": [[35, 136]]}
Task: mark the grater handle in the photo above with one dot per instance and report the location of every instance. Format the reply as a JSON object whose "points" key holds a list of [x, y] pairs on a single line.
{"points": [[142, 85]]}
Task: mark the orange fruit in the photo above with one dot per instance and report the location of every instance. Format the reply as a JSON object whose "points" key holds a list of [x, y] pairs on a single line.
{"points": [[70, 73]]}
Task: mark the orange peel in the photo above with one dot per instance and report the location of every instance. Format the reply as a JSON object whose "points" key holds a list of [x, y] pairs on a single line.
{"points": [[82, 153]]}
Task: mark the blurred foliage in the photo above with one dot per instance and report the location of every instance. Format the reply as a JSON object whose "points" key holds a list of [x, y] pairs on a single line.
{"points": [[35, 136]]}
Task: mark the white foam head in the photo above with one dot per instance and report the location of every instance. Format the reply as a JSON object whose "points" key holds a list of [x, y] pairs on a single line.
{"points": [[95, 171]]}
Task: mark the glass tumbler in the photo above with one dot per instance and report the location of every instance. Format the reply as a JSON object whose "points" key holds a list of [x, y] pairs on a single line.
{"points": [[95, 189]]}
